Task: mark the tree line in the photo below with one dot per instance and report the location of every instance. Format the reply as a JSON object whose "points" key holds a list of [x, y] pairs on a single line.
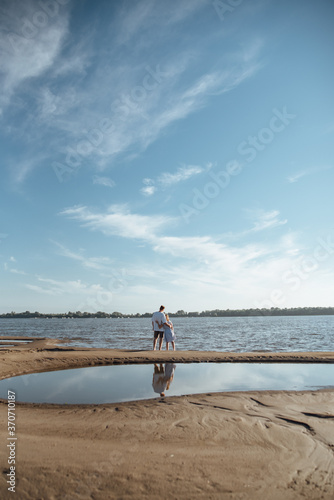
{"points": [[227, 313]]}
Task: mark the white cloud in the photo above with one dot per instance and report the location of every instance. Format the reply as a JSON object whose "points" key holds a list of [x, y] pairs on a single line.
{"points": [[40, 289], [204, 251], [214, 260], [13, 270], [118, 220], [148, 190], [52, 106], [121, 222], [182, 174], [78, 59], [98, 263], [139, 122], [205, 274], [181, 103], [251, 50], [147, 181], [145, 17], [17, 271], [167, 179], [267, 220], [59, 288], [103, 181], [20, 169], [261, 220], [309, 171], [139, 111], [27, 51], [202, 269]]}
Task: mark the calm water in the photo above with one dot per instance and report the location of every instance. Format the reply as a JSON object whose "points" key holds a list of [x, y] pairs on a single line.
{"points": [[110, 384], [289, 333]]}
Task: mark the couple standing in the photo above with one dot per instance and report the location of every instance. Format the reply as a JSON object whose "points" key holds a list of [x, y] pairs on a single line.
{"points": [[161, 325]]}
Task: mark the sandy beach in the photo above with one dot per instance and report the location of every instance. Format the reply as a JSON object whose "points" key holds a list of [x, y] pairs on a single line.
{"points": [[271, 445]]}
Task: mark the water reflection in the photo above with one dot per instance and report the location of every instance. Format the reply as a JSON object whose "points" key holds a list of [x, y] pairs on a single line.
{"points": [[162, 377], [111, 384], [12, 342]]}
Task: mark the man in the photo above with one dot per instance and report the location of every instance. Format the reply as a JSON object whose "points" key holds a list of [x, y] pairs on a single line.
{"points": [[158, 319]]}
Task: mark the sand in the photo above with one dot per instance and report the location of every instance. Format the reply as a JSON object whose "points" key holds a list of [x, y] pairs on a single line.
{"points": [[273, 445]]}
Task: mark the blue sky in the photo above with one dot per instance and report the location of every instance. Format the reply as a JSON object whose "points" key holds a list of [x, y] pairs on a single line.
{"points": [[174, 152]]}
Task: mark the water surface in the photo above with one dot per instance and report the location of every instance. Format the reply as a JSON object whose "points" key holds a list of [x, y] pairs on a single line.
{"points": [[110, 384], [245, 334]]}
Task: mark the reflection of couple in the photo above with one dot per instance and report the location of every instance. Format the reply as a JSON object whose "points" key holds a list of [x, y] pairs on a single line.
{"points": [[161, 326], [162, 377]]}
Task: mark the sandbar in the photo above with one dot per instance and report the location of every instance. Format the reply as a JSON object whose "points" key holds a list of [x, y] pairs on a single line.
{"points": [[275, 445]]}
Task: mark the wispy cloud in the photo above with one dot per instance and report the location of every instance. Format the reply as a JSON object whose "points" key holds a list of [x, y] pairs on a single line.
{"points": [[103, 181], [182, 174], [26, 51], [182, 103], [266, 220], [193, 263], [98, 263], [139, 123], [17, 271], [21, 168], [145, 17], [148, 190], [119, 221], [167, 179], [261, 220], [13, 270], [57, 288], [309, 171], [141, 96], [40, 289], [208, 253], [52, 106]]}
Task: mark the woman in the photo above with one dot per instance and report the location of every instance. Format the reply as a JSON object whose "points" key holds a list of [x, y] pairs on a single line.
{"points": [[169, 333]]}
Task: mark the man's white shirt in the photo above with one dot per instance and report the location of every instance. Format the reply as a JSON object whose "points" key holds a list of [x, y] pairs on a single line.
{"points": [[158, 317]]}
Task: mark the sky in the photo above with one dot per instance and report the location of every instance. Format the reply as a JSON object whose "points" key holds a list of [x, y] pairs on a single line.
{"points": [[176, 153]]}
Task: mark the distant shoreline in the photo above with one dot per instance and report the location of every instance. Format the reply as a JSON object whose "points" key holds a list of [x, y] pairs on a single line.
{"points": [[215, 313]]}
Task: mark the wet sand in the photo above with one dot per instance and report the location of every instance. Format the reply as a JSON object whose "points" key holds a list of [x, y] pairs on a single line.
{"points": [[275, 445]]}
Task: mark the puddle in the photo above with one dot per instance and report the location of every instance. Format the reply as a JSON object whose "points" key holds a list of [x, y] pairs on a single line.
{"points": [[111, 384], [13, 342], [4, 341]]}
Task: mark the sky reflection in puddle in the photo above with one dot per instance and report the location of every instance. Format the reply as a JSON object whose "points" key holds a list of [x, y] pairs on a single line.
{"points": [[17, 341], [110, 384]]}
